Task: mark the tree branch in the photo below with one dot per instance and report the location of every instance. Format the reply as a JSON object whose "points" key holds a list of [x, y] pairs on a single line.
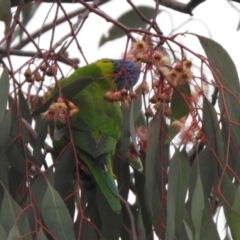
{"points": [[181, 7]]}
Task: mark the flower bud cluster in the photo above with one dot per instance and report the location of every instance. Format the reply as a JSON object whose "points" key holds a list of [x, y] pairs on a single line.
{"points": [[31, 76], [35, 75], [123, 96], [180, 74], [60, 111], [142, 52]]}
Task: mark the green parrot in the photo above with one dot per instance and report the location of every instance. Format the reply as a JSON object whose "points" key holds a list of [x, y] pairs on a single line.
{"points": [[96, 125]]}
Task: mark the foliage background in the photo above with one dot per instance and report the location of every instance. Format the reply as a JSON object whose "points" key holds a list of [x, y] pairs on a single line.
{"points": [[37, 200]]}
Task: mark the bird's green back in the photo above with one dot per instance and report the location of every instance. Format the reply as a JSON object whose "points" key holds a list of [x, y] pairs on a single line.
{"points": [[96, 115]]}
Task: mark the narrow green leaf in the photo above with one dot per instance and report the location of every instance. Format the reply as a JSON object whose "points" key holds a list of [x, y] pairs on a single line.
{"points": [[228, 189], [4, 90], [88, 231], [140, 226], [152, 156], [91, 213], [130, 19], [145, 214], [231, 194], [179, 103], [41, 235], [212, 130], [225, 73], [156, 164], [178, 178], [188, 230], [207, 166], [209, 231], [15, 151], [55, 215], [228, 129], [236, 203], [24, 108], [4, 171], [172, 132], [6, 14], [111, 222], [63, 178], [3, 234], [14, 181], [13, 217], [233, 219], [14, 234], [5, 126], [122, 171], [27, 14], [37, 189], [197, 206]]}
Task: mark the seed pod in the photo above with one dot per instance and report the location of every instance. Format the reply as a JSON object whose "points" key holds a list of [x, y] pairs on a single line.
{"points": [[37, 76], [163, 97], [187, 63], [43, 67], [168, 111], [128, 98], [133, 94], [178, 67], [140, 46], [29, 79], [167, 87], [199, 135], [158, 55], [157, 106], [55, 69], [73, 111], [117, 96], [28, 73], [144, 87], [125, 103], [109, 96], [71, 105], [52, 108], [148, 112], [60, 100], [153, 99], [52, 71], [124, 92]]}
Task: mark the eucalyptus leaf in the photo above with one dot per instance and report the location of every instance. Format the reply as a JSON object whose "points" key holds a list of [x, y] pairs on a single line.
{"points": [[178, 176], [10, 211], [4, 82], [56, 216], [130, 19], [225, 73]]}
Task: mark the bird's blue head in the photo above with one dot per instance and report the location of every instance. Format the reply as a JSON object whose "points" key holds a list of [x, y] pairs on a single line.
{"points": [[129, 73]]}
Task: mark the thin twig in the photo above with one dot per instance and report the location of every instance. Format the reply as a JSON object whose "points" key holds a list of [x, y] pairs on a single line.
{"points": [[131, 217], [181, 7]]}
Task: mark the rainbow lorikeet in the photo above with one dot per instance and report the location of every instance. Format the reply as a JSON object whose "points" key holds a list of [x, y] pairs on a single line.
{"points": [[96, 124]]}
